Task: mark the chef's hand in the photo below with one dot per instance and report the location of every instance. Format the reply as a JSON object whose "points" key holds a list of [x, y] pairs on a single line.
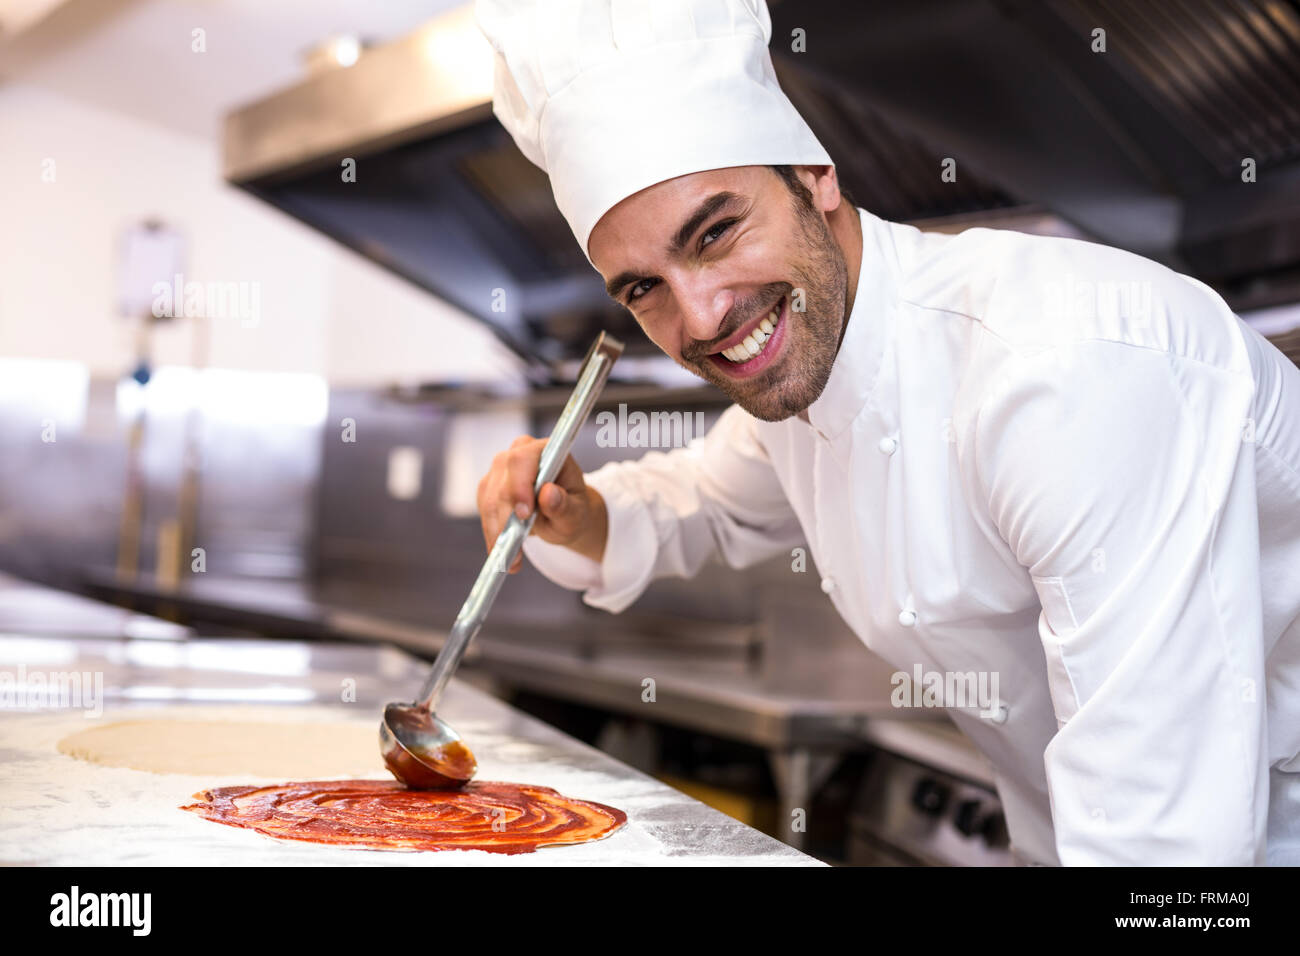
{"points": [[572, 513]]}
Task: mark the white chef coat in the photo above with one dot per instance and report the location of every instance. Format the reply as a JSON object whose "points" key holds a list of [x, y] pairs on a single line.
{"points": [[1052, 460]]}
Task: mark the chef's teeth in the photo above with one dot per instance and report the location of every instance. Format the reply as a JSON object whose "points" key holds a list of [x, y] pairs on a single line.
{"points": [[753, 343]]}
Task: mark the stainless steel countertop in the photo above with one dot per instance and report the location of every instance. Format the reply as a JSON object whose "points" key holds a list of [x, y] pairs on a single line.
{"points": [[27, 608], [58, 810], [713, 699]]}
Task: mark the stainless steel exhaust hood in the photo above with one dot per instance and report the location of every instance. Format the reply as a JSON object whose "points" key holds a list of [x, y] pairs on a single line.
{"points": [[441, 195]]}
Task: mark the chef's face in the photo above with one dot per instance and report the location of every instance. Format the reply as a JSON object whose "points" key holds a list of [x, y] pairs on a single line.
{"points": [[736, 278]]}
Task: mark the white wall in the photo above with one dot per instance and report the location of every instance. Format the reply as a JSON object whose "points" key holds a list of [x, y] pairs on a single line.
{"points": [[323, 309]]}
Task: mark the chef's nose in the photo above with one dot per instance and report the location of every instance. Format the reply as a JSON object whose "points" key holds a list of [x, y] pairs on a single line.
{"points": [[704, 308]]}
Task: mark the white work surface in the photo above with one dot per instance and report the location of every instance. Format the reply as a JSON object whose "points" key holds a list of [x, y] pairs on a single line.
{"points": [[58, 810]]}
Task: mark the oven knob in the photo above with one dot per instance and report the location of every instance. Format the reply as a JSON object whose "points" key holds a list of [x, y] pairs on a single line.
{"points": [[930, 796]]}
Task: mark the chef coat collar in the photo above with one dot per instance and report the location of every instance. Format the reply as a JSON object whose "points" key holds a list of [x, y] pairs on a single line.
{"points": [[856, 370]]}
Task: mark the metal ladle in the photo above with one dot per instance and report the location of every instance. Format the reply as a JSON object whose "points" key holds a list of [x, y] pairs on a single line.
{"points": [[418, 747]]}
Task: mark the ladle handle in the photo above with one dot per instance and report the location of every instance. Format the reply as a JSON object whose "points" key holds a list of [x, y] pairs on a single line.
{"points": [[591, 379]]}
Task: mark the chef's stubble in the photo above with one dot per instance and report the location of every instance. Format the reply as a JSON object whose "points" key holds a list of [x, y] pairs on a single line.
{"points": [[793, 383]]}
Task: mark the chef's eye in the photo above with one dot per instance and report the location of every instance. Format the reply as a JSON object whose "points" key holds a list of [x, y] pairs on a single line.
{"points": [[632, 293], [717, 230]]}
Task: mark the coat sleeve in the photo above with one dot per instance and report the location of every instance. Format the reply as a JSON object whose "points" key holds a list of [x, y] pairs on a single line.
{"points": [[670, 512], [1122, 478]]}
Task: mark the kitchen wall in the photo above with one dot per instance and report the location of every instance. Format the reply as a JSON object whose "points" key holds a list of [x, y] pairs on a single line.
{"points": [[322, 309]]}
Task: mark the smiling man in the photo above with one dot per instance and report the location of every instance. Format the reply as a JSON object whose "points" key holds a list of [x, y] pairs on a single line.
{"points": [[783, 255], [1037, 460]]}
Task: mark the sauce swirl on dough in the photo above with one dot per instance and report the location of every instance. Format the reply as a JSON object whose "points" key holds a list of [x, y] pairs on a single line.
{"points": [[384, 815]]}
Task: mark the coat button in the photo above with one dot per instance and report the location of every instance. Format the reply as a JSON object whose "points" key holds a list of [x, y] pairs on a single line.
{"points": [[828, 585], [907, 617], [888, 445], [1000, 713]]}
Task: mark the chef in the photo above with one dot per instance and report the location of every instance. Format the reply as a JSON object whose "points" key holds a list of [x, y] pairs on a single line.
{"points": [[1040, 460]]}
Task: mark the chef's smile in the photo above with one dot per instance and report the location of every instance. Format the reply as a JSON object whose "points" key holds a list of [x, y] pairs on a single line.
{"points": [[754, 347]]}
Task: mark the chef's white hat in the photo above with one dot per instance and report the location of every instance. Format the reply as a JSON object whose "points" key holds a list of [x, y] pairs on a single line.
{"points": [[611, 96]]}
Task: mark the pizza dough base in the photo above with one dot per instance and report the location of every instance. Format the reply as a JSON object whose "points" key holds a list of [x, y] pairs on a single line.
{"points": [[220, 748]]}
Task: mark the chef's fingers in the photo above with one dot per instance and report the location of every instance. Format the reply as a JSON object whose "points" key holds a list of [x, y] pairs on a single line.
{"points": [[522, 461], [563, 513], [494, 501], [508, 487], [570, 477]]}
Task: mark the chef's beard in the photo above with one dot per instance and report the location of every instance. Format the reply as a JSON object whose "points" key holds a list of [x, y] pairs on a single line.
{"points": [[793, 382]]}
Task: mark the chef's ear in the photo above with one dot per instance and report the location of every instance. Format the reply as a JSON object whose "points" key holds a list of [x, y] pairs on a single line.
{"points": [[823, 183]]}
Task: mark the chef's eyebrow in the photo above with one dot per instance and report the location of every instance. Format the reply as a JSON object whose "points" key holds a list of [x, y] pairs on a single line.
{"points": [[703, 212]]}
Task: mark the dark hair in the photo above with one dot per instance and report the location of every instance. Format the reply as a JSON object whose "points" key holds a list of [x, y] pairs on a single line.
{"points": [[799, 190]]}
